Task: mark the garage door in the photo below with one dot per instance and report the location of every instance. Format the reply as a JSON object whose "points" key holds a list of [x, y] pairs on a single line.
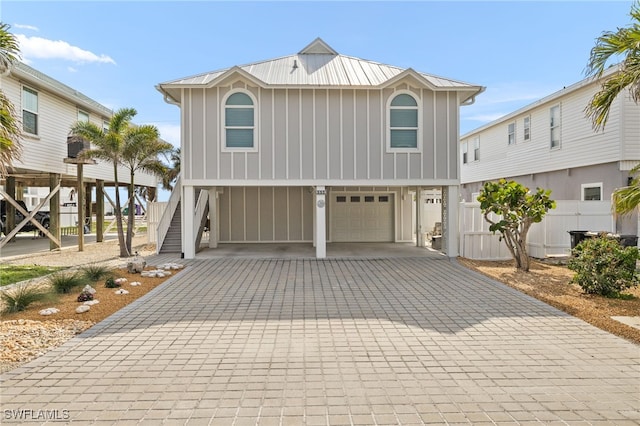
{"points": [[362, 217]]}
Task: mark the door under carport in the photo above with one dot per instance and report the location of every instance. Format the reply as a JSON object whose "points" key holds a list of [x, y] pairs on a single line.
{"points": [[362, 217]]}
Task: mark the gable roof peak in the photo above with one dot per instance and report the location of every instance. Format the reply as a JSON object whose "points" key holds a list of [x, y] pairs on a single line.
{"points": [[317, 47]]}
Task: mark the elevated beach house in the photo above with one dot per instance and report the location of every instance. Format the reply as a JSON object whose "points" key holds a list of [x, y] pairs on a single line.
{"points": [[315, 147]]}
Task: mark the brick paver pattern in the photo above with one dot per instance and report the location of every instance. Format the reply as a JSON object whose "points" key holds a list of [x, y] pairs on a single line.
{"points": [[405, 341]]}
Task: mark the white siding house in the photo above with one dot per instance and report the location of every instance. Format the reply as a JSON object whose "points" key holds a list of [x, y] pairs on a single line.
{"points": [[315, 147], [551, 144], [47, 109]]}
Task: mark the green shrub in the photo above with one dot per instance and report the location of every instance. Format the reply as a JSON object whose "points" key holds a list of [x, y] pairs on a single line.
{"points": [[604, 267], [111, 283], [95, 272], [19, 298], [64, 282]]}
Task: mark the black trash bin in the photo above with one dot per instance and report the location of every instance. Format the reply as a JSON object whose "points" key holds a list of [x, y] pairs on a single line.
{"points": [[577, 237], [628, 240]]}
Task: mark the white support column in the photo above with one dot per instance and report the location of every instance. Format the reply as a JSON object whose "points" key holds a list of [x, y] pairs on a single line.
{"points": [[321, 223], [419, 221], [213, 217], [451, 247], [188, 237]]}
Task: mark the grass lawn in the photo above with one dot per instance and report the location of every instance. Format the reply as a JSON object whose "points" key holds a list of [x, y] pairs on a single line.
{"points": [[10, 274]]}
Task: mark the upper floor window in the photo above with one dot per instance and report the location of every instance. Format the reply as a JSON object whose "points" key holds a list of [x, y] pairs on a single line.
{"points": [[555, 126], [403, 122], [30, 111], [592, 191], [239, 121], [476, 148], [83, 116], [527, 128], [105, 126], [511, 133], [465, 150]]}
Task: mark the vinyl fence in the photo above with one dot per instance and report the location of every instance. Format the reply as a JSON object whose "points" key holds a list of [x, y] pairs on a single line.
{"points": [[154, 213], [547, 238]]}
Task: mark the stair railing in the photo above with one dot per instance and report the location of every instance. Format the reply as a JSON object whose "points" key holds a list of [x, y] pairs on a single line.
{"points": [[165, 221]]}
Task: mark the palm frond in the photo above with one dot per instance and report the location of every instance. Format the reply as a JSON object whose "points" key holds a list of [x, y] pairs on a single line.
{"points": [[624, 42]]}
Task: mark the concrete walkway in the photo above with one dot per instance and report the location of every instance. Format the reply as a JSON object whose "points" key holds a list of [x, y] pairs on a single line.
{"points": [[401, 340]]}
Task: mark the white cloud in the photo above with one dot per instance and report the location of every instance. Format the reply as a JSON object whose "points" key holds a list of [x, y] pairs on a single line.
{"points": [[42, 48], [486, 118], [515, 92], [169, 132], [72, 69], [26, 27]]}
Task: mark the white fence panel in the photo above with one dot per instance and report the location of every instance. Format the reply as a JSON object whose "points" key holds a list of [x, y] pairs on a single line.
{"points": [[547, 238], [476, 241], [154, 213]]}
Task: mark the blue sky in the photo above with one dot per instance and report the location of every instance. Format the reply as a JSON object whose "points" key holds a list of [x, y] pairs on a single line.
{"points": [[116, 52]]}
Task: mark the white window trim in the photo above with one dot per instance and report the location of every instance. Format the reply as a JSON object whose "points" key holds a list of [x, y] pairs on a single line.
{"points": [[511, 135], [81, 111], [559, 126], [465, 150], [25, 109], [476, 139], [591, 185], [418, 100], [223, 127], [525, 127]]}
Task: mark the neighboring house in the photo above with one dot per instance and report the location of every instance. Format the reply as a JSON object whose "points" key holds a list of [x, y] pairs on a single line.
{"points": [[48, 109], [551, 144], [315, 147]]}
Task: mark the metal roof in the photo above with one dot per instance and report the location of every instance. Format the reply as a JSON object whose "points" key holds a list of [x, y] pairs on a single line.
{"points": [[30, 75], [317, 65]]}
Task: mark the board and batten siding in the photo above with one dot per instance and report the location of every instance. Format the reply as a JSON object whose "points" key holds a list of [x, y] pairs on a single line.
{"points": [[318, 135], [265, 214], [46, 151], [285, 213], [580, 145]]}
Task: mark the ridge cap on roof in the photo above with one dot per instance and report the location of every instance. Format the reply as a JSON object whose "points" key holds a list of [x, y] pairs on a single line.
{"points": [[320, 45]]}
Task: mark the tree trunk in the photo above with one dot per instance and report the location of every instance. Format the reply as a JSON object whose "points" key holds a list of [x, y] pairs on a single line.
{"points": [[121, 241], [131, 216]]}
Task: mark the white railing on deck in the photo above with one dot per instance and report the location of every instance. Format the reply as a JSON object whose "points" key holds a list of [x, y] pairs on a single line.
{"points": [[167, 215]]}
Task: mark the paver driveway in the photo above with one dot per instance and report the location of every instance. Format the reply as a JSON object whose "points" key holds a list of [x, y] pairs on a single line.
{"points": [[335, 342]]}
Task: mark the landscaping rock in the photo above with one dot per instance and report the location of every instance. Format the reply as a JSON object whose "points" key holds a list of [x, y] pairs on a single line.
{"points": [[49, 311], [121, 291], [82, 308], [91, 302]]}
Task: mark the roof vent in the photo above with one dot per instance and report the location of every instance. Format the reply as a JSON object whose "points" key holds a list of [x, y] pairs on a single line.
{"points": [[295, 64]]}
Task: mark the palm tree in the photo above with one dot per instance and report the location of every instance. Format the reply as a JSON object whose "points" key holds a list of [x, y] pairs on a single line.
{"points": [[626, 199], [624, 42], [10, 146], [109, 146], [172, 171], [141, 152]]}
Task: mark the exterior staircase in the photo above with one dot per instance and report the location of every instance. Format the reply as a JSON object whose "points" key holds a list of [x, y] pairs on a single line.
{"points": [[173, 240]]}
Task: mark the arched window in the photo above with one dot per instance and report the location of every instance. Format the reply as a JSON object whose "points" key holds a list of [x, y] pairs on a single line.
{"points": [[239, 114], [403, 122]]}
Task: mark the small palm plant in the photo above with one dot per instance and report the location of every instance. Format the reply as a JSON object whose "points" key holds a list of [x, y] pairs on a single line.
{"points": [[19, 298], [95, 272], [63, 282]]}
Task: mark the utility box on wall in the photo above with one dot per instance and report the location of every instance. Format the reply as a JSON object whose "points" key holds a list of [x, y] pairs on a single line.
{"points": [[75, 144]]}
